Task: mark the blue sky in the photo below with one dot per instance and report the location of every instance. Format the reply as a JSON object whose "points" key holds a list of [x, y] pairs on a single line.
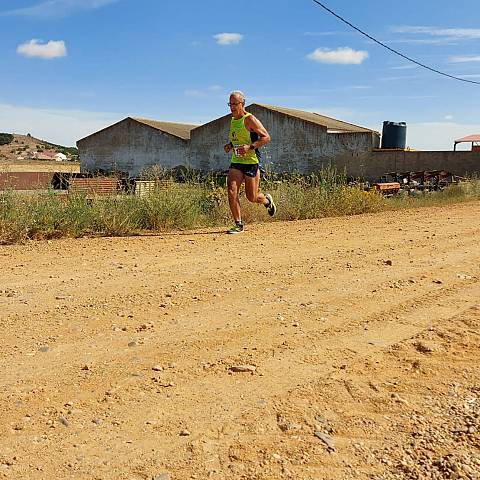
{"points": [[71, 67]]}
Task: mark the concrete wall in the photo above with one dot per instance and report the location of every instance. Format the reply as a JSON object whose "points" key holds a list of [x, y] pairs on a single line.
{"points": [[296, 146], [372, 165], [131, 147], [206, 145]]}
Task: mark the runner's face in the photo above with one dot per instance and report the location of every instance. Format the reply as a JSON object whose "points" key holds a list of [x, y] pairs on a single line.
{"points": [[235, 104]]}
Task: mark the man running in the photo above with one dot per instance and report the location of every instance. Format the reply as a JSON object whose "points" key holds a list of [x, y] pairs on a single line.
{"points": [[247, 135]]}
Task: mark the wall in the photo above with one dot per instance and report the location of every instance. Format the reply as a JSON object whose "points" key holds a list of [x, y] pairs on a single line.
{"points": [[25, 180], [206, 145], [374, 164], [131, 147], [296, 146]]}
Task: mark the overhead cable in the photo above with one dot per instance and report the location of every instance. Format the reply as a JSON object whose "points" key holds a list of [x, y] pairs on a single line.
{"points": [[393, 50]]}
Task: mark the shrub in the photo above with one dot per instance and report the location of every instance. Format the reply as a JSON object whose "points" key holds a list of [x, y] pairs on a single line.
{"points": [[6, 138], [178, 206]]}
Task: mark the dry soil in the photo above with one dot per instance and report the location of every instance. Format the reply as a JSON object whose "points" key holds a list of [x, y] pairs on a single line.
{"points": [[341, 348]]}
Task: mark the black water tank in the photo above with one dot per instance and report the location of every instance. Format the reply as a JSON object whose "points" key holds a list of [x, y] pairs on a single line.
{"points": [[394, 135]]}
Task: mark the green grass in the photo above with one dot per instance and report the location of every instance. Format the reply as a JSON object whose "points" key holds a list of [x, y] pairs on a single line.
{"points": [[200, 203]]}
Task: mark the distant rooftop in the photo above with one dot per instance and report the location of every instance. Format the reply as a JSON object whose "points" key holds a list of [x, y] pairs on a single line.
{"points": [[469, 138], [181, 130], [330, 123]]}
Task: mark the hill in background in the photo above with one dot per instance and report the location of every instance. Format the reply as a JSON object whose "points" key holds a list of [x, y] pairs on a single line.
{"points": [[20, 148]]}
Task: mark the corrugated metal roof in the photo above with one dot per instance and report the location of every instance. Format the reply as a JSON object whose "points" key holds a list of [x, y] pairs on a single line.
{"points": [[181, 130], [470, 138], [330, 123]]}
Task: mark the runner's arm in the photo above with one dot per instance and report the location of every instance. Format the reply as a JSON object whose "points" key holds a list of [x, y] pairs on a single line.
{"points": [[255, 125]]}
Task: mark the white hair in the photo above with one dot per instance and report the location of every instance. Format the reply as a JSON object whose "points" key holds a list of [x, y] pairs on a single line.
{"points": [[238, 93]]}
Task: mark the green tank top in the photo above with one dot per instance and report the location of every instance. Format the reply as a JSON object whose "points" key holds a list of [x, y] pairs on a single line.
{"points": [[240, 135]]}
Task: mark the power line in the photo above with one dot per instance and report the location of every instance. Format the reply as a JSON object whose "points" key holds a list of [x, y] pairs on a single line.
{"points": [[391, 49]]}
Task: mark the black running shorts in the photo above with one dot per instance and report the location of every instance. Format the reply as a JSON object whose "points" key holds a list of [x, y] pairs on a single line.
{"points": [[248, 169]]}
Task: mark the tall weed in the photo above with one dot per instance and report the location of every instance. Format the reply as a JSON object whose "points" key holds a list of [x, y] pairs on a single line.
{"points": [[200, 202]]}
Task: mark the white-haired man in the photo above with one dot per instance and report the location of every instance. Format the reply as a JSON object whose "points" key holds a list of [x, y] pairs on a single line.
{"points": [[247, 135]]}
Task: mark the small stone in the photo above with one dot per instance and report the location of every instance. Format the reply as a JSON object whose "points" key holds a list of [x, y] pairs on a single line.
{"points": [[243, 368], [162, 476], [97, 421], [437, 281], [133, 343], [185, 433], [157, 368], [327, 439], [63, 421], [399, 399], [388, 262], [44, 349], [425, 347], [285, 427]]}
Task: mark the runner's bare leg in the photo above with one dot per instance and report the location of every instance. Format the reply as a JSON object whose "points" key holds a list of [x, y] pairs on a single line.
{"points": [[234, 181]]}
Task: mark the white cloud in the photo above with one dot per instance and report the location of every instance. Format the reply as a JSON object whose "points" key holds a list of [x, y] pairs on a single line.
{"points": [[425, 41], [404, 67], [342, 55], [464, 58], [448, 117], [326, 34], [401, 78], [57, 8], [228, 38], [62, 127], [452, 33], [51, 49]]}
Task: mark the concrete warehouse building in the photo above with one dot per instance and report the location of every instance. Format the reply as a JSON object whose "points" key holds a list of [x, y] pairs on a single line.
{"points": [[301, 141], [135, 144]]}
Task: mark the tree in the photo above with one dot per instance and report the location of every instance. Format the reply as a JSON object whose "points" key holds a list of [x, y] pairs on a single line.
{"points": [[6, 138]]}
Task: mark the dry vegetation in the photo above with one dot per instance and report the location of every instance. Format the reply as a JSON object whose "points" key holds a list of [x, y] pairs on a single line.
{"points": [[194, 204]]}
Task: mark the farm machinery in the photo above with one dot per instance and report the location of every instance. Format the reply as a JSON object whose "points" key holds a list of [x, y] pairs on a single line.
{"points": [[414, 182]]}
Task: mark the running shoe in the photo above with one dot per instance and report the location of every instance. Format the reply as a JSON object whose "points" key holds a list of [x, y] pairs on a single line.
{"points": [[237, 228], [271, 207]]}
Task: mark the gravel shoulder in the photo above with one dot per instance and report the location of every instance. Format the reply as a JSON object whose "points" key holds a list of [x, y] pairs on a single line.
{"points": [[340, 348]]}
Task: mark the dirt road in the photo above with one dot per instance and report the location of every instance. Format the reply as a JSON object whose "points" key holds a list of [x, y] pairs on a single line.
{"points": [[359, 337]]}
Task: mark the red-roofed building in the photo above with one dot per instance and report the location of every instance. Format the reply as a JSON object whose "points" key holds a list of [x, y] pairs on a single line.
{"points": [[473, 139]]}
